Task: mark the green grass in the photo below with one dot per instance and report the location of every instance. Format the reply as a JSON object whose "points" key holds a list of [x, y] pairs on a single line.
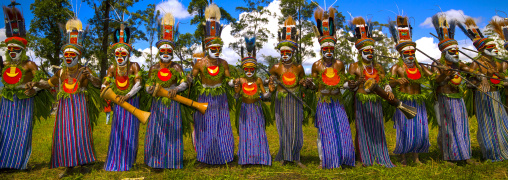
{"points": [[433, 166]]}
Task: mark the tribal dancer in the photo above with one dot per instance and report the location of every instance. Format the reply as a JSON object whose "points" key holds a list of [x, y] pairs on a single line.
{"points": [[288, 111], [370, 136], [501, 28], [453, 137], [124, 78], [407, 77], [163, 139], [213, 133], [490, 114], [78, 103], [335, 143], [19, 108], [252, 113]]}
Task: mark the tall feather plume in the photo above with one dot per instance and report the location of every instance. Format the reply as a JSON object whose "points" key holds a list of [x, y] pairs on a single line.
{"points": [[212, 11], [499, 26], [331, 20], [250, 43], [357, 21], [318, 15], [451, 29], [392, 26], [371, 27], [470, 29], [289, 21], [464, 30], [437, 26]]}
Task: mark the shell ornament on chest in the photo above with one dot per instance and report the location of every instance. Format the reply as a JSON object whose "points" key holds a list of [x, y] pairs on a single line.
{"points": [[70, 85], [164, 74], [289, 78], [249, 88], [213, 70], [12, 75], [370, 72], [413, 73], [330, 77]]}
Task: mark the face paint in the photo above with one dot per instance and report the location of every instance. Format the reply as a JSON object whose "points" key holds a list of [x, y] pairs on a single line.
{"points": [[121, 56], [14, 51], [367, 54], [328, 51], [214, 52], [71, 57], [452, 55], [166, 53], [491, 50], [249, 72], [286, 56], [408, 56]]}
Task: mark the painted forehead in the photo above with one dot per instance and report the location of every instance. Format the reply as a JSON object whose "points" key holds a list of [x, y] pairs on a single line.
{"points": [[165, 46], [121, 49], [14, 45]]}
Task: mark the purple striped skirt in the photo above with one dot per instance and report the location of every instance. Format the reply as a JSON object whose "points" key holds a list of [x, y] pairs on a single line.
{"points": [[454, 129], [412, 134], [253, 144], [289, 117]]}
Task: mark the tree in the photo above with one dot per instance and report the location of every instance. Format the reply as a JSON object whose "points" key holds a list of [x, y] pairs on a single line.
{"points": [[198, 7], [185, 47], [252, 23], [45, 36], [301, 11], [149, 19]]}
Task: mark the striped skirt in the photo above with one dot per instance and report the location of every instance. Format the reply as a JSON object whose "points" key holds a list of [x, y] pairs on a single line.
{"points": [[412, 134], [336, 142], [123, 141], [289, 117], [214, 137], [253, 144], [163, 139], [16, 132], [454, 129], [72, 137], [492, 126], [371, 134]]}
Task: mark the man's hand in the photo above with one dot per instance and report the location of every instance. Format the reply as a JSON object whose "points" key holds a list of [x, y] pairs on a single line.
{"points": [[402, 81], [86, 74], [151, 89], [189, 78], [30, 85], [352, 84], [236, 83], [484, 85], [271, 83], [30, 92], [172, 93], [121, 99], [390, 96]]}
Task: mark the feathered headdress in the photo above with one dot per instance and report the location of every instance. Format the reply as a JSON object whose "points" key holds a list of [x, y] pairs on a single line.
{"points": [[402, 32], [445, 31], [74, 35], [14, 25], [122, 38], [213, 26], [472, 31], [325, 28], [167, 30], [250, 60], [501, 28], [362, 32], [288, 35]]}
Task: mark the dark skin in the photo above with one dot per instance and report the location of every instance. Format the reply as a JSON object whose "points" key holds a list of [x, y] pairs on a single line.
{"points": [[71, 72], [403, 83], [238, 87], [133, 70], [203, 64], [357, 70], [279, 69], [30, 68], [321, 65], [444, 75], [493, 67], [161, 65]]}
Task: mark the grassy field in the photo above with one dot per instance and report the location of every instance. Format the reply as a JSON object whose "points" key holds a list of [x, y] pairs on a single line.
{"points": [[432, 168]]}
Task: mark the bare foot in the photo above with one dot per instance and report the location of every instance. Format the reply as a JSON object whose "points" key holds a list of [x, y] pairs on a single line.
{"points": [[301, 165], [403, 160], [416, 159], [66, 172], [320, 165], [283, 163]]}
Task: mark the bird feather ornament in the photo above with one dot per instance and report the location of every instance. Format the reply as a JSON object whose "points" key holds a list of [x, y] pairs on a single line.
{"points": [[14, 22], [445, 28], [73, 24], [212, 12], [325, 21], [500, 27], [250, 43], [213, 16], [470, 29]]}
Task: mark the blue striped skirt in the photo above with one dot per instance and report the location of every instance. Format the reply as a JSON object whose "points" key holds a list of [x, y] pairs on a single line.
{"points": [[335, 135], [289, 117], [371, 134], [163, 139], [123, 141], [72, 137], [454, 129], [214, 137], [253, 144], [16, 132], [492, 126], [412, 134]]}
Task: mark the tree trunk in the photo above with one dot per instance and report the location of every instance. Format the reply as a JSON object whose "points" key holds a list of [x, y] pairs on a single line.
{"points": [[105, 40]]}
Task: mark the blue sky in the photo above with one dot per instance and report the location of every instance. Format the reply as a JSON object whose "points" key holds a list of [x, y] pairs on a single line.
{"points": [[377, 9]]}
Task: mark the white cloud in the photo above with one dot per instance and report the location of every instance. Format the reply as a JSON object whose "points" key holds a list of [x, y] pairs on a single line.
{"points": [[141, 60], [429, 45], [174, 7], [450, 14]]}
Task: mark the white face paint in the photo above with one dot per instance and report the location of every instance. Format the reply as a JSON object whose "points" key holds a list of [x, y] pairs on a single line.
{"points": [[452, 55], [250, 74], [327, 51], [214, 51], [286, 54], [121, 56], [491, 51], [14, 51], [71, 57], [166, 53], [408, 55], [368, 53]]}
